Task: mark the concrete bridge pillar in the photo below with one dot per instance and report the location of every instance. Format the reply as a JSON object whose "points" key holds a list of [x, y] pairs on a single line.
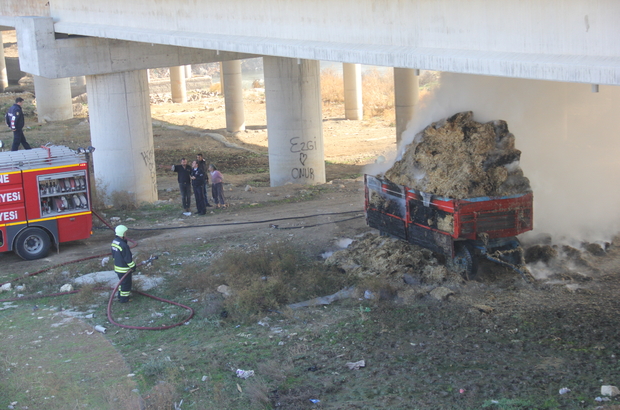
{"points": [[4, 78], [233, 95], [122, 133], [53, 96], [177, 84], [188, 71], [352, 76], [294, 120], [406, 96]]}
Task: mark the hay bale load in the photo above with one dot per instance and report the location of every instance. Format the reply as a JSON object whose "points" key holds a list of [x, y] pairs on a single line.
{"points": [[460, 158]]}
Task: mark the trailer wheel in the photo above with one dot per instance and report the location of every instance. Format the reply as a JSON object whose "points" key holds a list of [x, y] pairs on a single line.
{"points": [[464, 261], [32, 243]]}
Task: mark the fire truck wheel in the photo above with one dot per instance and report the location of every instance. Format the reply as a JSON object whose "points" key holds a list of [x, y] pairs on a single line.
{"points": [[464, 261], [32, 243]]}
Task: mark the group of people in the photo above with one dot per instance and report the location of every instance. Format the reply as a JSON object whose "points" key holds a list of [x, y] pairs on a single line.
{"points": [[196, 178]]}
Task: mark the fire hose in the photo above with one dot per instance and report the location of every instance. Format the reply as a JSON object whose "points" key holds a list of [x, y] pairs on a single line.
{"points": [[191, 314], [109, 310]]}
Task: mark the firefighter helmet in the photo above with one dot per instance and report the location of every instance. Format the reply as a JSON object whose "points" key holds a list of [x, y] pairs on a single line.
{"points": [[120, 230]]}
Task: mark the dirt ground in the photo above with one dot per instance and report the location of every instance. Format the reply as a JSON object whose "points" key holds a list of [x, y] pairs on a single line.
{"points": [[479, 344]]}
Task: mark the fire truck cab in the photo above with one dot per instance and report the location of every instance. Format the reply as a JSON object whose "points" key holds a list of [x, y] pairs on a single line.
{"points": [[44, 199]]}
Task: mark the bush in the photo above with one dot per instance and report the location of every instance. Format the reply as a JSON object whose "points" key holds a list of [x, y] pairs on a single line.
{"points": [[123, 200], [264, 279]]}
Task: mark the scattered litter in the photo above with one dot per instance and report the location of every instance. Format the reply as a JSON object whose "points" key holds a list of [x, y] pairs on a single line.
{"points": [[204, 378], [356, 365], [564, 390], [264, 322], [6, 286], [244, 374], [239, 388], [315, 401], [131, 375], [105, 260], [100, 329], [187, 213], [462, 391], [609, 391], [600, 399]]}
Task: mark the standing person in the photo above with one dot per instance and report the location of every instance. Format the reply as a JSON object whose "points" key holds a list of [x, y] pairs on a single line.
{"points": [[123, 262], [198, 177], [185, 184], [15, 120], [203, 166], [217, 186]]}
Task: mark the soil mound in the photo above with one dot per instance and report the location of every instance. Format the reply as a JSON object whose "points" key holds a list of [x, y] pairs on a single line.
{"points": [[460, 158]]}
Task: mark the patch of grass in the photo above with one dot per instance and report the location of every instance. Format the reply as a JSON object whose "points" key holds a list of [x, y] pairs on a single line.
{"points": [[264, 279]]}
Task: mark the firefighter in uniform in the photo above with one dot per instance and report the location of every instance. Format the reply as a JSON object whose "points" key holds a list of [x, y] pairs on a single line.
{"points": [[123, 262]]}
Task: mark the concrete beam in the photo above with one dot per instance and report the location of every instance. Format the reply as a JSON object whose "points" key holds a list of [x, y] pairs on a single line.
{"points": [[43, 53], [542, 39]]}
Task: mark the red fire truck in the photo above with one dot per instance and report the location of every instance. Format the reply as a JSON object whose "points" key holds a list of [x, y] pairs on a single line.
{"points": [[44, 199]]}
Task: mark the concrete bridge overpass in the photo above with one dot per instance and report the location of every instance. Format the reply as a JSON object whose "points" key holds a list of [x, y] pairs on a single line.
{"points": [[112, 42]]}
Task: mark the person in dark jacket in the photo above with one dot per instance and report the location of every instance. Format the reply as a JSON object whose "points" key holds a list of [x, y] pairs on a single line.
{"points": [[198, 183], [185, 184], [202, 164], [15, 120], [123, 262]]}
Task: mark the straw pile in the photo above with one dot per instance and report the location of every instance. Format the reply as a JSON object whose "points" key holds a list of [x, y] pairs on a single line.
{"points": [[460, 158]]}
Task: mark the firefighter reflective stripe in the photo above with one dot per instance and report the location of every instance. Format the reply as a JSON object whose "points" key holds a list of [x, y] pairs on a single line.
{"points": [[121, 269], [125, 294]]}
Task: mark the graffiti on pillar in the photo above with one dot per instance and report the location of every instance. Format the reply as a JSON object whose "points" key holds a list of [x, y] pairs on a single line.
{"points": [[301, 147], [149, 160]]}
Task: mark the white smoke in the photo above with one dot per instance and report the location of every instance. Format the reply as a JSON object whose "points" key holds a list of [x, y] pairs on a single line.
{"points": [[569, 138]]}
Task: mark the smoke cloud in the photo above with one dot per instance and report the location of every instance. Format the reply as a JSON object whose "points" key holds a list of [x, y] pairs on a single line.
{"points": [[569, 138]]}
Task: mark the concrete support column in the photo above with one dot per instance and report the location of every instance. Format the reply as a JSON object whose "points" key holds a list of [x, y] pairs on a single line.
{"points": [[294, 121], [406, 96], [233, 95], [353, 106], [4, 78], [53, 97], [121, 132], [177, 84], [188, 71]]}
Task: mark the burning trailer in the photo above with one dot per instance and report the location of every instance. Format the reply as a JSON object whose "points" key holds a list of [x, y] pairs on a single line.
{"points": [[459, 191]]}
